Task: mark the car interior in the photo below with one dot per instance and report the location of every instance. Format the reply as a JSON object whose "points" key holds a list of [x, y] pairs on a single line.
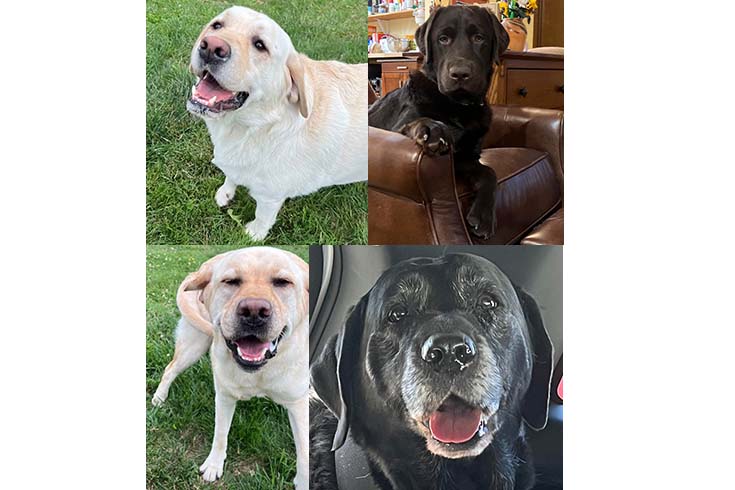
{"points": [[340, 275]]}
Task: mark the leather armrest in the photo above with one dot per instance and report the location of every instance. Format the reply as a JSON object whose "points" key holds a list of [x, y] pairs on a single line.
{"points": [[392, 164], [397, 166], [529, 127]]}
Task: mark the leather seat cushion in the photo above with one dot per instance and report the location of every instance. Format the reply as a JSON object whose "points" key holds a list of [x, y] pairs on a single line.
{"points": [[528, 191], [549, 232]]}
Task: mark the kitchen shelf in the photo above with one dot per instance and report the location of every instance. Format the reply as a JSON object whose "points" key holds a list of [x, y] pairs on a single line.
{"points": [[402, 14]]}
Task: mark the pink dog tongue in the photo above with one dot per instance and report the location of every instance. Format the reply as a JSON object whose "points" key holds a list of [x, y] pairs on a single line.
{"points": [[251, 350], [208, 88], [455, 424]]}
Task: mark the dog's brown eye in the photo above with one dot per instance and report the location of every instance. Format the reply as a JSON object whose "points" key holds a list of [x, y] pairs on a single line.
{"points": [[488, 301], [280, 282], [478, 38], [444, 39], [259, 45], [217, 25], [232, 282], [397, 313]]}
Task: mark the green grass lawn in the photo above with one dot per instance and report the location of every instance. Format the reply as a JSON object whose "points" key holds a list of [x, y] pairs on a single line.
{"points": [[261, 453], [181, 181]]}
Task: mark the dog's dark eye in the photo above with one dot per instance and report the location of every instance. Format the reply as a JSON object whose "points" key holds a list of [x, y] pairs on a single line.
{"points": [[488, 301], [259, 45], [444, 39], [217, 25], [397, 313], [232, 282], [280, 282], [478, 38]]}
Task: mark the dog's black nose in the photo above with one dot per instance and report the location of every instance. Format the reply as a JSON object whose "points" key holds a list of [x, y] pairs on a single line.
{"points": [[254, 309], [213, 49], [448, 352], [460, 73]]}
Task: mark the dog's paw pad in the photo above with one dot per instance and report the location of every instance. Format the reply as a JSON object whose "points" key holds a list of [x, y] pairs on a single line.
{"points": [[211, 470]]}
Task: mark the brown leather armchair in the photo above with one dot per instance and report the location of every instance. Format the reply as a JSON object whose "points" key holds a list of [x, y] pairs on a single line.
{"points": [[413, 198]]}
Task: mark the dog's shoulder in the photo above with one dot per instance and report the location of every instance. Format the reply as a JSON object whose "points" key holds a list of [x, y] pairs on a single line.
{"points": [[393, 111]]}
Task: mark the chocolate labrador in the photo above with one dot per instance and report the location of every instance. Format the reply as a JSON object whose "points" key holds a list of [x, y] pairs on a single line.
{"points": [[443, 106], [433, 375]]}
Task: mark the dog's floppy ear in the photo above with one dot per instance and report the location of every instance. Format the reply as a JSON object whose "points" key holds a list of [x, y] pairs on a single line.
{"points": [[536, 401], [423, 34], [303, 268], [333, 375], [299, 91], [502, 39], [189, 296]]}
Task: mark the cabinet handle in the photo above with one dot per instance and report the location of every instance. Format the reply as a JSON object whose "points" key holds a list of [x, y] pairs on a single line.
{"points": [[401, 67], [561, 88], [523, 91]]}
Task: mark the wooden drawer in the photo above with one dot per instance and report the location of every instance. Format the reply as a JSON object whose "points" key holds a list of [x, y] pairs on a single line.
{"points": [[535, 88], [393, 81], [399, 66]]}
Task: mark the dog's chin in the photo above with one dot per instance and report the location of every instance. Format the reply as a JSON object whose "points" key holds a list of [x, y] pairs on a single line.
{"points": [[251, 353], [210, 100], [463, 96], [456, 429]]}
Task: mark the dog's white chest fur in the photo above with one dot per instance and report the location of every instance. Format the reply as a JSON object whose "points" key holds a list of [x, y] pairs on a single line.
{"points": [[285, 159]]}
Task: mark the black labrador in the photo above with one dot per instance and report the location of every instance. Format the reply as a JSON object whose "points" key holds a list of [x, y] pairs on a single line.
{"points": [[433, 375], [443, 105]]}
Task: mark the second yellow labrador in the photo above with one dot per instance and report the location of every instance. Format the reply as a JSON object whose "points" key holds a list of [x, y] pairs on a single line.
{"points": [[249, 308]]}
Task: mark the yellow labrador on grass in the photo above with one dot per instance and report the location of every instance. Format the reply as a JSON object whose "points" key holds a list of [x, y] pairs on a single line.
{"points": [[282, 125], [249, 308]]}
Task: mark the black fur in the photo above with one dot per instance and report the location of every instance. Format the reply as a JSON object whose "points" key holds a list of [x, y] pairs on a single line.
{"points": [[370, 381], [438, 112]]}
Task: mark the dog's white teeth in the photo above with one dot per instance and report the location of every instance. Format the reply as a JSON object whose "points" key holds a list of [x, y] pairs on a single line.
{"points": [[193, 89], [213, 99]]}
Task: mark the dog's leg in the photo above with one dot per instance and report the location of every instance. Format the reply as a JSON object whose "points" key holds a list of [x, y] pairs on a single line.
{"points": [[191, 344], [266, 211], [225, 193], [481, 217], [298, 415], [224, 409]]}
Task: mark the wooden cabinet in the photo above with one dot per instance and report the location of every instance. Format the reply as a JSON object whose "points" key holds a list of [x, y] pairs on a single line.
{"points": [[394, 74], [529, 79]]}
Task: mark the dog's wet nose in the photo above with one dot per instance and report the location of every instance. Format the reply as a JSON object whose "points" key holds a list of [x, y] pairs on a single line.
{"points": [[213, 48], [254, 309], [449, 352], [460, 73]]}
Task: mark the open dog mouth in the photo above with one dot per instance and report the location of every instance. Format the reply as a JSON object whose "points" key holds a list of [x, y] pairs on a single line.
{"points": [[252, 353], [209, 96], [455, 427]]}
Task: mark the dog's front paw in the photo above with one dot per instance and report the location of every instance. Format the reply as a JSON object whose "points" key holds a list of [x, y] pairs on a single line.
{"points": [[301, 482], [224, 195], [158, 398], [212, 468], [257, 230], [433, 136], [481, 220]]}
